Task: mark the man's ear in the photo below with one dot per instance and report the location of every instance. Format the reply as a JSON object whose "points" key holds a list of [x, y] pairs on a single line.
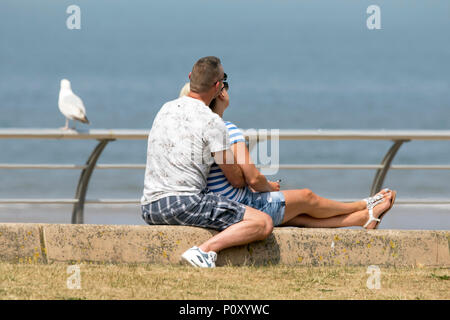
{"points": [[190, 75], [221, 95]]}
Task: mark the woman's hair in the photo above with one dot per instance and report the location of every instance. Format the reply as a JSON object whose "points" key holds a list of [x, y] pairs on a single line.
{"points": [[185, 90]]}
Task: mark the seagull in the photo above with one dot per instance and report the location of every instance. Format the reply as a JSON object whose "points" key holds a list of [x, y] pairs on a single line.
{"points": [[70, 105]]}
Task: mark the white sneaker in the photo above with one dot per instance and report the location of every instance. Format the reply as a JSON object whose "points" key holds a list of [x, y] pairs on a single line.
{"points": [[196, 257]]}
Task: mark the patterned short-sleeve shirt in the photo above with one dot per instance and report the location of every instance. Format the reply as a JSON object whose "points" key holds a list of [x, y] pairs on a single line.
{"points": [[184, 134]]}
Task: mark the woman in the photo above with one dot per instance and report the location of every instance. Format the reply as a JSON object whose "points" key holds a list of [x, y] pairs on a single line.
{"points": [[300, 208]]}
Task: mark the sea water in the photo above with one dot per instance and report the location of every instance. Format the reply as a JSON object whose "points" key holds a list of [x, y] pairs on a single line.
{"points": [[290, 64]]}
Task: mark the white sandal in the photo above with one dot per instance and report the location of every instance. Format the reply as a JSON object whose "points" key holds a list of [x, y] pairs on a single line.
{"points": [[375, 198], [371, 202]]}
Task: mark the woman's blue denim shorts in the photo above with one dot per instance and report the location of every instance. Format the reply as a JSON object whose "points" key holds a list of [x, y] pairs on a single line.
{"points": [[272, 203]]}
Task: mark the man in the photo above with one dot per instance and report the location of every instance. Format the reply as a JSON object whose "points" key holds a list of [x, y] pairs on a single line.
{"points": [[185, 140], [298, 207]]}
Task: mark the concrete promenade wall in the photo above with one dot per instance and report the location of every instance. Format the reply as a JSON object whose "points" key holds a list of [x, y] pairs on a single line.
{"points": [[48, 243]]}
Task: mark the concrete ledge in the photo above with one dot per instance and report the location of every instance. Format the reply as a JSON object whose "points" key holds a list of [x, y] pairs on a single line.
{"points": [[21, 242], [47, 243]]}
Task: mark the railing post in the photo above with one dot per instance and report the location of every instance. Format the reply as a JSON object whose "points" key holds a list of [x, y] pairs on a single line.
{"points": [[80, 195], [386, 163]]}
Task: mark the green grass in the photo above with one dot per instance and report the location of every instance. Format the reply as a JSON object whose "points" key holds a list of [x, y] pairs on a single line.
{"points": [[40, 281], [444, 277]]}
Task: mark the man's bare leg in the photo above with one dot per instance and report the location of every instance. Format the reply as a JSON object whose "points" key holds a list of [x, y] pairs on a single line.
{"points": [[256, 225], [358, 218], [306, 201]]}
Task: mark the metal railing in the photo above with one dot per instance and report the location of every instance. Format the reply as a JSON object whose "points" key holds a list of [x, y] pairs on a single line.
{"points": [[105, 136]]}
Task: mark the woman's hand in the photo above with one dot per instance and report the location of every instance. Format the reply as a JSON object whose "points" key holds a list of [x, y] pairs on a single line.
{"points": [[275, 186]]}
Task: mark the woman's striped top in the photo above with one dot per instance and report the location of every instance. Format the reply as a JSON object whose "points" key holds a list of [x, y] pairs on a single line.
{"points": [[217, 182]]}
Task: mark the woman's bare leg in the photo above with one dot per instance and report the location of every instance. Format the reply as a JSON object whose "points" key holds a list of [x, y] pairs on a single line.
{"points": [[306, 201], [358, 218], [344, 220]]}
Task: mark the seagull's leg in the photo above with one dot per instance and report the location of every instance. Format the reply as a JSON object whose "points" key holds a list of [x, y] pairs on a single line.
{"points": [[66, 126]]}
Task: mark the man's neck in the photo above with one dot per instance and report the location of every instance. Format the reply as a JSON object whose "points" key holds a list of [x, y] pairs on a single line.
{"points": [[205, 98], [218, 111]]}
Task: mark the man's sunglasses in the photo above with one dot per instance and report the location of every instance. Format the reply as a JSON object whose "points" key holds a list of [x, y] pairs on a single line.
{"points": [[225, 86], [223, 79]]}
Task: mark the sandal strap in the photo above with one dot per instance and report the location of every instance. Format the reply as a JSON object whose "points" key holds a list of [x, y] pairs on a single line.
{"points": [[370, 201], [371, 218], [375, 198]]}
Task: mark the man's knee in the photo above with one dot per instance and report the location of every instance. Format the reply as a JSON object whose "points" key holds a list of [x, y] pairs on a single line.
{"points": [[261, 222], [266, 224], [269, 227]]}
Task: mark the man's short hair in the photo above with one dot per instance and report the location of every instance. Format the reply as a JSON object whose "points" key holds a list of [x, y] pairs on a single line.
{"points": [[205, 73]]}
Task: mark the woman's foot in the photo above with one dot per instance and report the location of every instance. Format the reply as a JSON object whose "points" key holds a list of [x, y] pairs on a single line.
{"points": [[363, 204], [377, 210]]}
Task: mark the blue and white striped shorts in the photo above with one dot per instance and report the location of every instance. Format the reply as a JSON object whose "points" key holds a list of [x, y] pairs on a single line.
{"points": [[206, 209]]}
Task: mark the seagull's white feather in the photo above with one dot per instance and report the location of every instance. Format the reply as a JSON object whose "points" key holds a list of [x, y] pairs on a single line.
{"points": [[70, 105]]}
